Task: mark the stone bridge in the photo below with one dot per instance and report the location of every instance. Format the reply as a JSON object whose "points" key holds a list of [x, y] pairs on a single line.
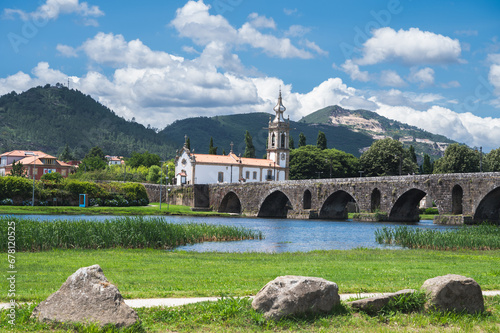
{"points": [[476, 195]]}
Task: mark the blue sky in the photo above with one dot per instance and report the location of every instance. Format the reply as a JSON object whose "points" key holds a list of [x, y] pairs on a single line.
{"points": [[432, 64]]}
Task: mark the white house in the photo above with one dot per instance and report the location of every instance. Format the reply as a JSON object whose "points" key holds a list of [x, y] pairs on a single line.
{"points": [[193, 168]]}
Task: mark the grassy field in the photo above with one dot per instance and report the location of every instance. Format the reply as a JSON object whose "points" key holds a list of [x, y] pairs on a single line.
{"points": [[147, 273], [151, 209]]}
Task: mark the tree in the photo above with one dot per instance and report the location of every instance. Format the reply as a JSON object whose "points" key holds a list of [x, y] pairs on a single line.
{"points": [[492, 161], [291, 143], [413, 155], [154, 174], [321, 141], [211, 149], [66, 155], [53, 176], [188, 143], [94, 160], [458, 159], [427, 165], [309, 162], [249, 147], [302, 140], [387, 157], [18, 170], [145, 159]]}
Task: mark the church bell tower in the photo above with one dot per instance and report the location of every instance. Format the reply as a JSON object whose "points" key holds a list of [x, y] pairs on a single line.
{"points": [[278, 149]]}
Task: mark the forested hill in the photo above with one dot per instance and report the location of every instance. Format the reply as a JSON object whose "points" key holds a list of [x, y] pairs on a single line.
{"points": [[227, 129], [47, 118], [379, 127]]}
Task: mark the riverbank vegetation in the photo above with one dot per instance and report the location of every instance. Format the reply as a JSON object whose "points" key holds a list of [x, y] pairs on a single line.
{"points": [[126, 232], [478, 237], [150, 273], [236, 315]]}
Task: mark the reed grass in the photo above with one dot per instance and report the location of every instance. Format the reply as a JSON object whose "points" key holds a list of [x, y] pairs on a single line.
{"points": [[477, 237], [126, 232]]}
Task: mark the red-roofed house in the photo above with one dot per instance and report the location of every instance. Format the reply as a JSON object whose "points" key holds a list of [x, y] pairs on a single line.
{"points": [[36, 162], [193, 168]]}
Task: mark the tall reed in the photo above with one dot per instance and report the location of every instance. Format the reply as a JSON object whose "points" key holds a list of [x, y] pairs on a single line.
{"points": [[480, 237], [127, 232]]}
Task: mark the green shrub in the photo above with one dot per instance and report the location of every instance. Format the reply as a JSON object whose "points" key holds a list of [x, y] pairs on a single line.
{"points": [[11, 187], [76, 188], [53, 176]]}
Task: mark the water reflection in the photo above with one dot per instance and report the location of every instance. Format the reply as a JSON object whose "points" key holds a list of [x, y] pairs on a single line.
{"points": [[281, 235]]}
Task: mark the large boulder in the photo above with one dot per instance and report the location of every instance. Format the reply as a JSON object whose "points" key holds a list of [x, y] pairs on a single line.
{"points": [[376, 303], [291, 295], [454, 293], [86, 296]]}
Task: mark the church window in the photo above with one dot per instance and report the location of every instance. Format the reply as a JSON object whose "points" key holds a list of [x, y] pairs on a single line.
{"points": [[221, 177], [247, 175], [282, 140], [255, 175], [273, 139]]}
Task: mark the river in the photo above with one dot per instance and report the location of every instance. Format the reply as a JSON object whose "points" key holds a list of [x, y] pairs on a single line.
{"points": [[281, 235]]}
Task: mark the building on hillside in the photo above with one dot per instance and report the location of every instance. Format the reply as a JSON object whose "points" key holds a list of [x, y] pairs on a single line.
{"points": [[36, 162], [115, 160], [191, 168]]}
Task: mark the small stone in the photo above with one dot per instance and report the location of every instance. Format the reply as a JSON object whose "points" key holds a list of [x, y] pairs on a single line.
{"points": [[454, 293], [86, 296], [291, 295], [376, 303]]}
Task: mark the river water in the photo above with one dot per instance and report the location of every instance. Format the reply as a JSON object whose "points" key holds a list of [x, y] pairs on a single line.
{"points": [[281, 235]]}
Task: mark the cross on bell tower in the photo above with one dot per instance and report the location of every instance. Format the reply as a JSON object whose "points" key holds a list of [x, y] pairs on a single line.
{"points": [[279, 133]]}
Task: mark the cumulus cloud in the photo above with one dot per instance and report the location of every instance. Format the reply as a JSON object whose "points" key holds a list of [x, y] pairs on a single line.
{"points": [[195, 22], [297, 31], [391, 78], [354, 72], [67, 51], [413, 46], [424, 76], [494, 73], [51, 10]]}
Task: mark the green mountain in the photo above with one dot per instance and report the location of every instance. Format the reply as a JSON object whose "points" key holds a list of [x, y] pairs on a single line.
{"points": [[379, 127], [227, 129], [47, 118]]}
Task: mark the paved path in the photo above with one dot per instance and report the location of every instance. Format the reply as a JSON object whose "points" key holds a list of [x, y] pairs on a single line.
{"points": [[150, 302]]}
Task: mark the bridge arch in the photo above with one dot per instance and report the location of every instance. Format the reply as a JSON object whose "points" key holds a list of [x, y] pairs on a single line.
{"points": [[276, 204], [375, 200], [306, 199], [230, 203], [405, 209], [457, 195], [335, 206], [489, 207]]}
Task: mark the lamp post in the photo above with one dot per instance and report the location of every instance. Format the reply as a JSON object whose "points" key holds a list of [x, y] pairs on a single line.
{"points": [[168, 202], [34, 159], [360, 173]]}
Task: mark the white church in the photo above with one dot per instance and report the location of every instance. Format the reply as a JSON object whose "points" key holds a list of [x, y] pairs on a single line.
{"points": [[191, 168]]}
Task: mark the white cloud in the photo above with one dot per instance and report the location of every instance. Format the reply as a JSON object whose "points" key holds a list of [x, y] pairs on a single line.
{"points": [[494, 74], [313, 46], [288, 11], [67, 51], [297, 31], [391, 78], [352, 69], [51, 10], [194, 21], [424, 76], [451, 84], [411, 46]]}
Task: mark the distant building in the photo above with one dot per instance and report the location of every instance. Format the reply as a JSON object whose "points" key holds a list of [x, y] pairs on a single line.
{"points": [[36, 162], [191, 168], [115, 160]]}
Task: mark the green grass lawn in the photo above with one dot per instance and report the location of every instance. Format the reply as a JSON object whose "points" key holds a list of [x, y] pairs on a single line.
{"points": [[146, 273], [151, 209]]}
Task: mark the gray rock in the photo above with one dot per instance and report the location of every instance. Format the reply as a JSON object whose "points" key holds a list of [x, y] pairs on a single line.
{"points": [[290, 295], [376, 303], [454, 293], [86, 296]]}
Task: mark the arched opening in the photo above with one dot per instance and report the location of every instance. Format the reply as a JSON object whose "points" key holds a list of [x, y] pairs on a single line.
{"points": [[489, 208], [406, 207], [307, 199], [230, 204], [457, 195], [335, 206], [276, 204], [375, 200], [283, 140], [273, 140]]}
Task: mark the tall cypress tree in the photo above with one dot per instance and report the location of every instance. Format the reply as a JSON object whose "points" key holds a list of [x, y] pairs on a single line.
{"points": [[211, 149], [302, 140], [249, 147], [188, 143], [321, 142], [291, 143]]}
